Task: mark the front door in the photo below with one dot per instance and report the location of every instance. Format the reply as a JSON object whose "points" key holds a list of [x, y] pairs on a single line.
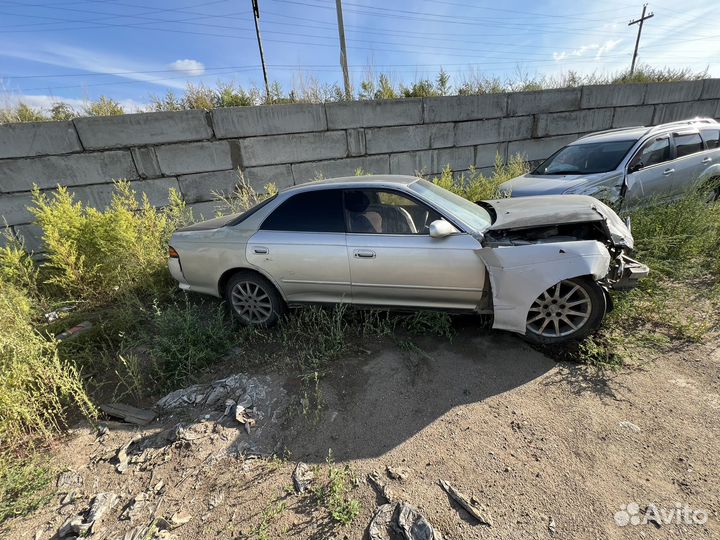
{"points": [[650, 173], [395, 262], [302, 247]]}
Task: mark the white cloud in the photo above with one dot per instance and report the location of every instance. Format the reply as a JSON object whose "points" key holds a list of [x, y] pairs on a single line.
{"points": [[45, 102], [581, 51], [189, 67]]}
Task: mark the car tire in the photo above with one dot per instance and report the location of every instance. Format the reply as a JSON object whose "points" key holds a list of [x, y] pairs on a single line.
{"points": [[253, 300], [569, 310]]}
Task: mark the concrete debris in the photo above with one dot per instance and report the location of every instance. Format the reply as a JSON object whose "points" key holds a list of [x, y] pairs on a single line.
{"points": [[74, 331], [630, 426], [138, 533], [68, 498], [157, 488], [180, 518], [381, 487], [216, 499], [122, 457], [133, 509], [240, 388], [398, 473], [472, 509], [76, 525], [400, 521], [68, 480], [129, 413], [302, 476]]}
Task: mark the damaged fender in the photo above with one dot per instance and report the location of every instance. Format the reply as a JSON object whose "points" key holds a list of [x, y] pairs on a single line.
{"points": [[519, 274]]}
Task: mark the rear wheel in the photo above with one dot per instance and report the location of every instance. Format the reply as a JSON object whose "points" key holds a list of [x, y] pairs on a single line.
{"points": [[568, 310], [254, 301]]}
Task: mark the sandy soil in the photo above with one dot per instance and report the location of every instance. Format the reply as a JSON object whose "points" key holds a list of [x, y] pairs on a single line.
{"points": [[548, 450]]}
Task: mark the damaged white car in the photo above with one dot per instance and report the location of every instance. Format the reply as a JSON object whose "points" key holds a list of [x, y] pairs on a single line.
{"points": [[541, 266]]}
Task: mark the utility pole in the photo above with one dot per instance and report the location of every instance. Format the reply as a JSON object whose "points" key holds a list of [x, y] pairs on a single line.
{"points": [[256, 14], [343, 51], [642, 19]]}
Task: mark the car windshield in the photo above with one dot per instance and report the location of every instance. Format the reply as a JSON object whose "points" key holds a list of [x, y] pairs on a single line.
{"points": [[469, 213], [586, 158]]}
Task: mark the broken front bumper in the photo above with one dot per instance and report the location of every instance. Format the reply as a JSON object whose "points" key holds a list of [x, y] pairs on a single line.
{"points": [[628, 273]]}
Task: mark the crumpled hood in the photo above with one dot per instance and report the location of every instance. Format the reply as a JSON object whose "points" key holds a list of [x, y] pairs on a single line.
{"points": [[525, 212]]}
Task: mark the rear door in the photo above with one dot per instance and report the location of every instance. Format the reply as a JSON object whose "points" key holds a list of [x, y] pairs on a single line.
{"points": [[687, 163], [302, 247], [395, 262]]}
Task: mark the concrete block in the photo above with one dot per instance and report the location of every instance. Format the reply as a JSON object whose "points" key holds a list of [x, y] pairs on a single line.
{"points": [[543, 101], [539, 149], [259, 177], [711, 89], [32, 237], [143, 128], [669, 92], [208, 210], [672, 112], [14, 209], [573, 122], [38, 138], [203, 186], [432, 161], [268, 120], [492, 131], [460, 108], [146, 162], [188, 158], [293, 148], [633, 116], [70, 170], [356, 142], [485, 154], [305, 172], [404, 138], [100, 195], [612, 95], [385, 112]]}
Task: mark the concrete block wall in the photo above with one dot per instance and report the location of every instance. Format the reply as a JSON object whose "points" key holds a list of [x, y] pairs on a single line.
{"points": [[198, 152]]}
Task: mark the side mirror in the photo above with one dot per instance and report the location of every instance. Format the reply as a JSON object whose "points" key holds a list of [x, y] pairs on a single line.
{"points": [[441, 228]]}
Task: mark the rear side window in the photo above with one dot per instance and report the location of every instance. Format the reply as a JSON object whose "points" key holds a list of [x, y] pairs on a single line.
{"points": [[312, 211], [711, 137], [687, 144]]}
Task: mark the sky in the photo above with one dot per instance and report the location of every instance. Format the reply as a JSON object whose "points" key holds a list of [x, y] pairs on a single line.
{"points": [[129, 50]]}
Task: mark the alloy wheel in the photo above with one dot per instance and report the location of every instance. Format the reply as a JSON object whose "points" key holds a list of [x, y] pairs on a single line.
{"points": [[561, 310], [251, 302]]}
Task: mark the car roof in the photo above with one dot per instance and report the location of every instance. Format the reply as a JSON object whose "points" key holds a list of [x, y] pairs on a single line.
{"points": [[371, 180], [637, 132]]}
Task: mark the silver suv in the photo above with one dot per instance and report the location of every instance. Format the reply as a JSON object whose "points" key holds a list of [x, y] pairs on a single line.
{"points": [[635, 165]]}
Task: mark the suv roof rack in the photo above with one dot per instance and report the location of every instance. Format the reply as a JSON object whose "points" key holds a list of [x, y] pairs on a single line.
{"points": [[610, 131], [679, 123]]}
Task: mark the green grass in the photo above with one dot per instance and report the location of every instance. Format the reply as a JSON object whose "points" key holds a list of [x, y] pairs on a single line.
{"points": [[334, 493], [23, 486]]}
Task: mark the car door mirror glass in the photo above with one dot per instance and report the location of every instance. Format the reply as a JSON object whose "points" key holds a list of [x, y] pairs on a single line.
{"points": [[441, 228]]}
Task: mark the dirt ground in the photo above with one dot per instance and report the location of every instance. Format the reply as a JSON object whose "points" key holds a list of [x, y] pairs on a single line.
{"points": [[548, 450]]}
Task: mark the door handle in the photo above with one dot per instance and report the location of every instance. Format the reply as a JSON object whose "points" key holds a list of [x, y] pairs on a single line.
{"points": [[364, 254], [261, 250], [668, 172], [706, 160]]}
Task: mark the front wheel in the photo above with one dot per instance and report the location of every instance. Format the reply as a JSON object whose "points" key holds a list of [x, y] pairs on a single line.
{"points": [[568, 310], [253, 300]]}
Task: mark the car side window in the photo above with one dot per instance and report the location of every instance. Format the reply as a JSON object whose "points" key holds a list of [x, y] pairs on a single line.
{"points": [[311, 211], [373, 211], [687, 143], [711, 137], [652, 153]]}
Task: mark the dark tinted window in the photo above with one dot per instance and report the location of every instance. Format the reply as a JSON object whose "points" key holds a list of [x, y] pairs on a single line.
{"points": [[711, 137], [312, 211], [586, 158], [652, 153], [687, 144]]}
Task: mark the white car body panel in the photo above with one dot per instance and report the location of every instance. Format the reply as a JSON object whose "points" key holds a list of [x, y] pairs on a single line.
{"points": [[519, 274]]}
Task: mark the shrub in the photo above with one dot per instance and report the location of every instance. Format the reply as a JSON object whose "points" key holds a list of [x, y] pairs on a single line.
{"points": [[94, 255], [475, 186], [22, 487], [103, 106]]}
